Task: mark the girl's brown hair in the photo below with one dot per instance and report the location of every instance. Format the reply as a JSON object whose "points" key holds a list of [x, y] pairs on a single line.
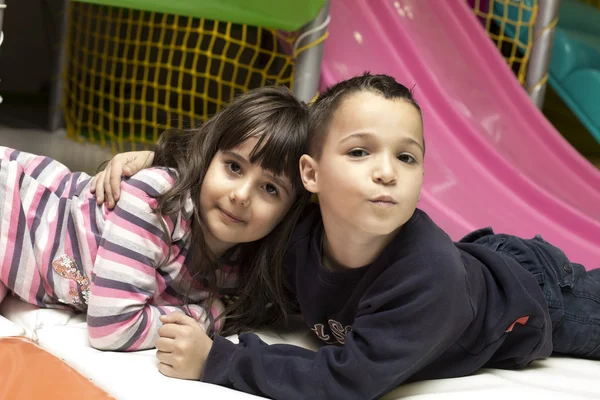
{"points": [[280, 122]]}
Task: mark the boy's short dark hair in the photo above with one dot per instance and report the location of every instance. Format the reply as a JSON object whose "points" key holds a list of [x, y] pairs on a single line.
{"points": [[322, 110]]}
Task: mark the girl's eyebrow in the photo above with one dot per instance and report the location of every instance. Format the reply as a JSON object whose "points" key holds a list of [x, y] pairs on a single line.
{"points": [[272, 176], [238, 156]]}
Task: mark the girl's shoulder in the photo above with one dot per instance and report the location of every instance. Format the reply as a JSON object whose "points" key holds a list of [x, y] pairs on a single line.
{"points": [[145, 187], [154, 181], [141, 192]]}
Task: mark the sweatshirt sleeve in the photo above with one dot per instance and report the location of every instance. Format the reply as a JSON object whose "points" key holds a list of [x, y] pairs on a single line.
{"points": [[400, 327], [121, 310]]}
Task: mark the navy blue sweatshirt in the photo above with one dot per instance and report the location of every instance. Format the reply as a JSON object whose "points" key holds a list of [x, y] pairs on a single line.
{"points": [[426, 308]]}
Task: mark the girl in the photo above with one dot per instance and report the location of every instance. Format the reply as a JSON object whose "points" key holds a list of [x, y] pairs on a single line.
{"points": [[227, 192]]}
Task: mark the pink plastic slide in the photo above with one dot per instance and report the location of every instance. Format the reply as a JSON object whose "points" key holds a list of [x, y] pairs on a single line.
{"points": [[492, 158]]}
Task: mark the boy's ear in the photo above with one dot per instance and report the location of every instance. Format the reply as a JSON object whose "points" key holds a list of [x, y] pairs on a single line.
{"points": [[308, 173]]}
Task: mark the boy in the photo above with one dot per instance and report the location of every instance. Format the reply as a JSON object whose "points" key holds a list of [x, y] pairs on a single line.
{"points": [[390, 294]]}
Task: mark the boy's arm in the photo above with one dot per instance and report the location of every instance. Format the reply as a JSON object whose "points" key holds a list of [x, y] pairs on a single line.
{"points": [[121, 314], [396, 333]]}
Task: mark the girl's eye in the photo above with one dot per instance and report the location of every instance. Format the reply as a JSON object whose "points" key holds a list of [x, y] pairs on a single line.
{"points": [[234, 167], [271, 189], [356, 153], [407, 158]]}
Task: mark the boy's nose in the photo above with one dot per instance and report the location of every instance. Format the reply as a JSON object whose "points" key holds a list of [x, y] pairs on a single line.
{"points": [[385, 173]]}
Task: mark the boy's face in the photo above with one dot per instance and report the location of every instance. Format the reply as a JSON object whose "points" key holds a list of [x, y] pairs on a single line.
{"points": [[370, 173]]}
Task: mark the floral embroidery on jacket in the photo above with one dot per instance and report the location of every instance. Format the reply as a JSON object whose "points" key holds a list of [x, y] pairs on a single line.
{"points": [[66, 267]]}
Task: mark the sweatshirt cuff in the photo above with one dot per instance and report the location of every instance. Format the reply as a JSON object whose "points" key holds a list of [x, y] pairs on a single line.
{"points": [[216, 367]]}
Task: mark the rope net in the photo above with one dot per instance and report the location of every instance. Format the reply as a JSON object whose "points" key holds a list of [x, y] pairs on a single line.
{"points": [[131, 74], [509, 23]]}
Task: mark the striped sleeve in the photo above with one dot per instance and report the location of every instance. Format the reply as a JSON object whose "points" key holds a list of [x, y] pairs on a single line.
{"points": [[121, 313]]}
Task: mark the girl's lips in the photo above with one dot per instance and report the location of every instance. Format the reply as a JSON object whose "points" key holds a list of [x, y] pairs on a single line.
{"points": [[231, 217]]}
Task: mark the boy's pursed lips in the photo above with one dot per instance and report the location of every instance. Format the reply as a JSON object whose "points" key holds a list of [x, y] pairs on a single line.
{"points": [[383, 200]]}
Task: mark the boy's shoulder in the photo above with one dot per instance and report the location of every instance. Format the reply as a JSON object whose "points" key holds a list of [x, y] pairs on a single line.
{"points": [[421, 235], [424, 245], [421, 262]]}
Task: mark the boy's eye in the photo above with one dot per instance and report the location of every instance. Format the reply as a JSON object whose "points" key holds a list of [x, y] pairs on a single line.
{"points": [[407, 158], [271, 189], [233, 167], [358, 153]]}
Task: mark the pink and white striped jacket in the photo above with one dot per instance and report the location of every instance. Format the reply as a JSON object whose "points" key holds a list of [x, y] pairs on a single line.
{"points": [[59, 249]]}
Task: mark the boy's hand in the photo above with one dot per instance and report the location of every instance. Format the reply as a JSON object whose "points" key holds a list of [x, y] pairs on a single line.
{"points": [[183, 347], [107, 184]]}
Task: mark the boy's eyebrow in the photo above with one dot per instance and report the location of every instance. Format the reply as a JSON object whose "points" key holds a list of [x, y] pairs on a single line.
{"points": [[364, 135], [246, 161], [413, 141]]}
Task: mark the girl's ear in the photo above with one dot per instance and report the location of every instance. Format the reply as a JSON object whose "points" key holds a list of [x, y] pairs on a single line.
{"points": [[309, 173]]}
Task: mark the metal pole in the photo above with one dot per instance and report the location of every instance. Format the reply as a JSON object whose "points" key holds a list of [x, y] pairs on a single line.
{"points": [[308, 63], [55, 114], [541, 51], [2, 8]]}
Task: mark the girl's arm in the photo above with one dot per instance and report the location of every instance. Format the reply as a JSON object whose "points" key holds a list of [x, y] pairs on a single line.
{"points": [[122, 310], [107, 183]]}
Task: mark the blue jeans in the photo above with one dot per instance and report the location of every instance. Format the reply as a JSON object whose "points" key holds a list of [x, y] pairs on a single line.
{"points": [[572, 293]]}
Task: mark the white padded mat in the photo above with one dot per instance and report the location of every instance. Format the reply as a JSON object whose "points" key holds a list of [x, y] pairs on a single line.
{"points": [[132, 376]]}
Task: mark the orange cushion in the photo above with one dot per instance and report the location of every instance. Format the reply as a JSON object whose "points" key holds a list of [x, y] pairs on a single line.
{"points": [[29, 372]]}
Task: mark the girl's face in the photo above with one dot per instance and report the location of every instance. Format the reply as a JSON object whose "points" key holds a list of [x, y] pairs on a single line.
{"points": [[241, 202]]}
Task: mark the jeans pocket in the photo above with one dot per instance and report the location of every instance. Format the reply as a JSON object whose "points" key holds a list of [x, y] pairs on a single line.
{"points": [[557, 264], [578, 336]]}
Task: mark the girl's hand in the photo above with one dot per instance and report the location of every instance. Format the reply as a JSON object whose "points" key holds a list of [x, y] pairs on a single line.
{"points": [[107, 184], [182, 346]]}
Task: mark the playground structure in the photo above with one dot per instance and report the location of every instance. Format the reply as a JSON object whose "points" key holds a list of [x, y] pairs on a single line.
{"points": [[133, 68], [510, 25], [128, 73], [554, 41], [128, 76], [575, 66]]}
